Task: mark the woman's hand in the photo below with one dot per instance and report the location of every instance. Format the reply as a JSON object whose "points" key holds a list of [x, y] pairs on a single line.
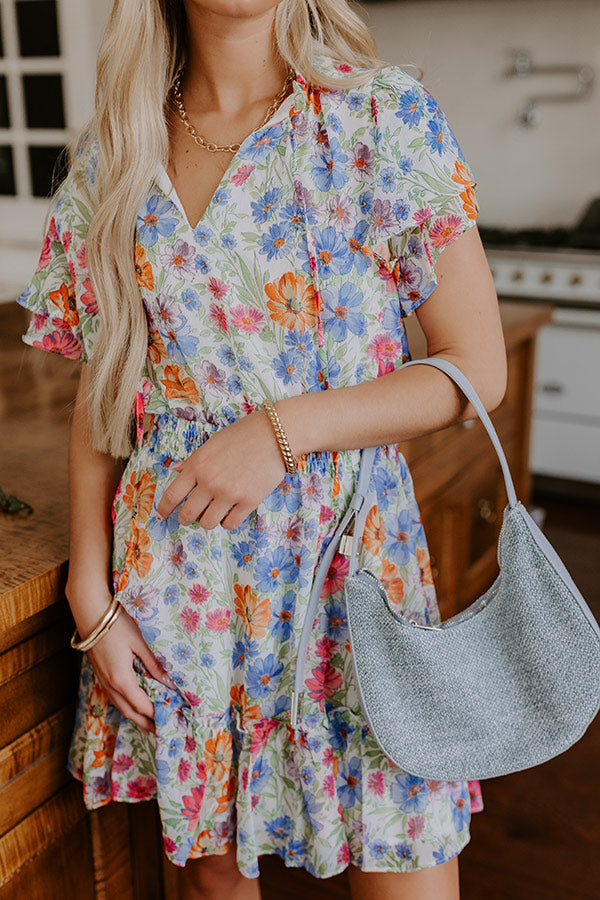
{"points": [[112, 661], [228, 475]]}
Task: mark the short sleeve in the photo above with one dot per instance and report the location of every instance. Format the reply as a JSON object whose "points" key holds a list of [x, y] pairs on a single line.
{"points": [[424, 193], [60, 294]]}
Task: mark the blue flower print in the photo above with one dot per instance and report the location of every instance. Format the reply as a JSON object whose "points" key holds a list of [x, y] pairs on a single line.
{"points": [[334, 620], [221, 197], [228, 241], [285, 367], [162, 771], [405, 164], [349, 785], [436, 138], [334, 122], [154, 221], [276, 567], [282, 611], [244, 554], [312, 809], [261, 771], [276, 242], [333, 253], [387, 180], [399, 539], [202, 235], [403, 851], [242, 651], [280, 827], [439, 855], [410, 108], [263, 675], [175, 746], [409, 792], [328, 171], [262, 141], [181, 345], [365, 202], [355, 100], [340, 730], [342, 311], [461, 810], [171, 595], [378, 848], [401, 210], [190, 298], [207, 660], [386, 488], [201, 264], [298, 342], [265, 207], [182, 652]]}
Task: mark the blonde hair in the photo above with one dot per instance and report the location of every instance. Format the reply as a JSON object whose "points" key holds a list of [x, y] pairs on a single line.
{"points": [[143, 46]]}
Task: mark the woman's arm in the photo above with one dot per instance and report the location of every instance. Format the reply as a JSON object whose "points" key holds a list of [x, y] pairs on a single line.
{"points": [[93, 480], [461, 321], [239, 465]]}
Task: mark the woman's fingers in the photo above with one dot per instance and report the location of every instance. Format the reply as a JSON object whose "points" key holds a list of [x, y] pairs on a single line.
{"points": [[121, 701], [152, 664], [172, 496]]}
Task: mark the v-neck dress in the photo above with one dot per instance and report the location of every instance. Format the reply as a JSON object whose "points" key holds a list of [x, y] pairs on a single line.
{"points": [[320, 239]]}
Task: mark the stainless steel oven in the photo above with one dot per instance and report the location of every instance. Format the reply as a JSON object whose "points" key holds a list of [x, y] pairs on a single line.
{"points": [[559, 267]]}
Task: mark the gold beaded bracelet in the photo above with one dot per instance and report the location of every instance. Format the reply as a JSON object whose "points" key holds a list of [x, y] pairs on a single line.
{"points": [[107, 620], [291, 463]]}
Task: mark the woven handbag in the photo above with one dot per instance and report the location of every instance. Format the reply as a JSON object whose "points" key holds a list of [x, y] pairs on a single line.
{"points": [[506, 684]]}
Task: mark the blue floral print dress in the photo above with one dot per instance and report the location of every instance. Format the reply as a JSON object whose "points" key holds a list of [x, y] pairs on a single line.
{"points": [[320, 239]]}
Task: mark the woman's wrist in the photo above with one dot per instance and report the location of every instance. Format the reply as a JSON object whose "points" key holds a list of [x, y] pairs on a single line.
{"points": [[88, 604]]}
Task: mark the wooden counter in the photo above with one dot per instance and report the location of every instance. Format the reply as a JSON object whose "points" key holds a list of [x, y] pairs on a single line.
{"points": [[50, 845]]}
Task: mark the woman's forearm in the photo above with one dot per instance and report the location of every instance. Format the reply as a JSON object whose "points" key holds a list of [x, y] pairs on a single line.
{"points": [[390, 409], [93, 480]]}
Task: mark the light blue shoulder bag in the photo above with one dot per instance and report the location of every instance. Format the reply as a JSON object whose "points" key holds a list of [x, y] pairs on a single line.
{"points": [[506, 684]]}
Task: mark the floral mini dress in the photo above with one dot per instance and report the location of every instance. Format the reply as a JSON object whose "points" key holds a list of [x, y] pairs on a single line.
{"points": [[319, 240]]}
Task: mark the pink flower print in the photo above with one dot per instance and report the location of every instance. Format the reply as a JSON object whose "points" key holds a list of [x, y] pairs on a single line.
{"points": [[81, 255], [169, 844], [324, 684], [198, 593], [329, 785], [122, 762], [261, 734], [89, 297], [39, 320], [240, 174], [175, 558], [183, 770], [383, 347], [52, 230], [248, 319], [415, 827], [445, 229], [328, 756], [191, 806], [245, 777], [190, 619], [364, 160], [408, 274], [343, 67], [217, 287], [213, 378], [66, 238], [142, 788], [178, 259], [374, 109], [341, 213], [422, 216], [254, 801], [218, 619], [190, 744], [376, 784], [46, 255], [115, 790], [217, 314], [325, 647], [334, 580], [343, 856]]}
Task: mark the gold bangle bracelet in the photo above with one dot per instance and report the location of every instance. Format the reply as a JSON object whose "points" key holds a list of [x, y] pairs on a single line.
{"points": [[105, 622], [291, 463]]}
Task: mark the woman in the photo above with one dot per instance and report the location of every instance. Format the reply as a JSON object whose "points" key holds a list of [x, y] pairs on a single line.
{"points": [[199, 282]]}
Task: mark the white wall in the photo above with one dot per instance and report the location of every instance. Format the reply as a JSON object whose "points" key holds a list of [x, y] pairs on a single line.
{"points": [[537, 177]]}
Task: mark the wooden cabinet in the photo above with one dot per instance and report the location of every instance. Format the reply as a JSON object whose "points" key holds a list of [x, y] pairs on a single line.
{"points": [[457, 476]]}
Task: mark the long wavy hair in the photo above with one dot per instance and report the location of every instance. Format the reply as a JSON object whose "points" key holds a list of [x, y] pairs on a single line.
{"points": [[142, 47]]}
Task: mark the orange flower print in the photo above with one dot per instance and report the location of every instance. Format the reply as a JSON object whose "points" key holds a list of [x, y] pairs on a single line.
{"points": [[105, 748], [424, 560], [239, 698], [470, 204], [374, 533], [64, 298], [292, 303], [138, 550], [156, 347], [138, 496], [179, 385], [255, 614], [461, 175], [143, 269], [218, 755], [227, 795], [393, 584], [97, 710]]}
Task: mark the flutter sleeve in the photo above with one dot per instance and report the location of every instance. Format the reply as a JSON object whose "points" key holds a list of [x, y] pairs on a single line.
{"points": [[60, 295], [424, 194]]}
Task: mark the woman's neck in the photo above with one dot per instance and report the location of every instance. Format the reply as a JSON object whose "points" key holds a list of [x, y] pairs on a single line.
{"points": [[232, 62]]}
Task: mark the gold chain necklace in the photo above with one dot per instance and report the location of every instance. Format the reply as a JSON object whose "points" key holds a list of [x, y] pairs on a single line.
{"points": [[210, 145]]}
